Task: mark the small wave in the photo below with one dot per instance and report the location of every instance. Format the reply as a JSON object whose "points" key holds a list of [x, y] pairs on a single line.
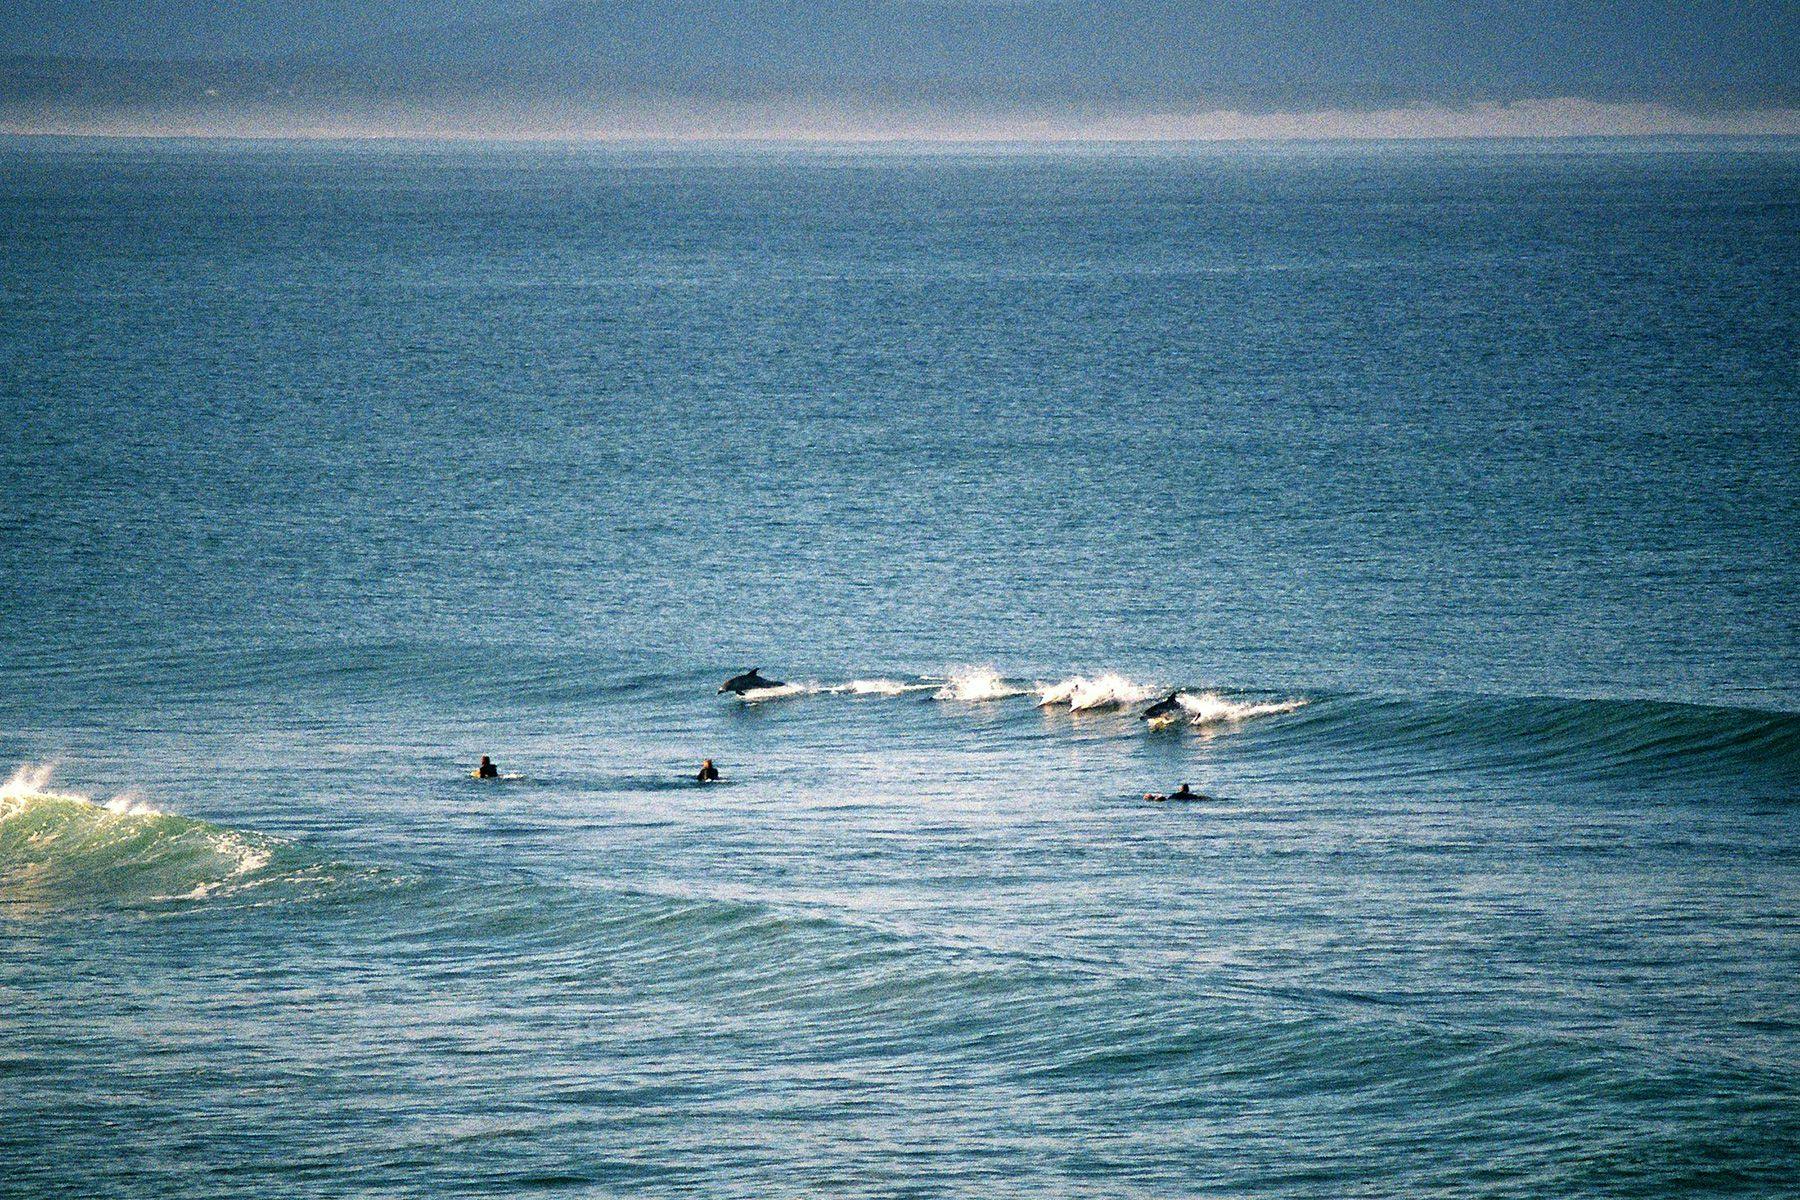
{"points": [[880, 687], [1082, 694], [1206, 708], [976, 685]]}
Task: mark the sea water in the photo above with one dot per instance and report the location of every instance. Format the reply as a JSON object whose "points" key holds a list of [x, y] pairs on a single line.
{"points": [[1455, 484]]}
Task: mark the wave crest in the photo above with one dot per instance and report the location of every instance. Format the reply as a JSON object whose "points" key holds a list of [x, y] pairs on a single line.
{"points": [[881, 687], [976, 685], [60, 848]]}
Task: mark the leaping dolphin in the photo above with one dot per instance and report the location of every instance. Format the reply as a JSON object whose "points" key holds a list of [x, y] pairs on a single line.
{"points": [[749, 681], [1168, 706]]}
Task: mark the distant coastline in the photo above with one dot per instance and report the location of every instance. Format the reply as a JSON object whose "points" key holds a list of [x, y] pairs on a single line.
{"points": [[1560, 120]]}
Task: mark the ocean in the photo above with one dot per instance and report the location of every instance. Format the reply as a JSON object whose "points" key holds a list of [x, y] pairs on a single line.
{"points": [[1455, 486]]}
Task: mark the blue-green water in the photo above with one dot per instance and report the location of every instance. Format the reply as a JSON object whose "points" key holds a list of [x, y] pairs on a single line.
{"points": [[1458, 483]]}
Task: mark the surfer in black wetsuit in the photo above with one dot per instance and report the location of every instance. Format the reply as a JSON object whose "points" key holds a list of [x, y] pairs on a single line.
{"points": [[1184, 792], [487, 769], [708, 772]]}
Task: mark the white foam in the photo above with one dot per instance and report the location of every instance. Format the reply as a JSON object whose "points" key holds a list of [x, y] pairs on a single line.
{"points": [[32, 782], [880, 687], [855, 687], [29, 781], [975, 685], [758, 695], [1205, 708], [250, 859], [1082, 694], [127, 804]]}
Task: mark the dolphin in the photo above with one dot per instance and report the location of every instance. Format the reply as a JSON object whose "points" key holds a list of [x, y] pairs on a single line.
{"points": [[749, 681], [1168, 706]]}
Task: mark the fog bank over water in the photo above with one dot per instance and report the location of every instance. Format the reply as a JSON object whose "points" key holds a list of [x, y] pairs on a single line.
{"points": [[910, 70], [675, 120]]}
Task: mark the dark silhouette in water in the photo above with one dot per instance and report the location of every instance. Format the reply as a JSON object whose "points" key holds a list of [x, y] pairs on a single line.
{"points": [[1168, 706], [1184, 792], [487, 769], [749, 681], [708, 772]]}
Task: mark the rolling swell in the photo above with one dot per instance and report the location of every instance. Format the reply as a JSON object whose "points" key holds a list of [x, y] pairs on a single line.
{"points": [[781, 976], [1576, 738], [813, 988]]}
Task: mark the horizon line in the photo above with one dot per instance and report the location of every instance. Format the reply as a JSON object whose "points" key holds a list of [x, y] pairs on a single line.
{"points": [[681, 121], [826, 142]]}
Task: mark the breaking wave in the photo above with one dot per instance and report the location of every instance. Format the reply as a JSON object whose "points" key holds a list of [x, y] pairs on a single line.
{"points": [[1206, 708], [977, 685], [1082, 694], [62, 848], [1077, 693], [1399, 734]]}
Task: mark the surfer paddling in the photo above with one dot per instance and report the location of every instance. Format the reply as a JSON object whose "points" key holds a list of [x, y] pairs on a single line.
{"points": [[1184, 792]]}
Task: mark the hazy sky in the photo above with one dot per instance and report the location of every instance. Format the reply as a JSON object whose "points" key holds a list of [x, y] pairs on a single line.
{"points": [[207, 28], [1759, 40]]}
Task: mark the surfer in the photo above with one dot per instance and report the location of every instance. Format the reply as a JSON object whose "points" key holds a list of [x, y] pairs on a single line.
{"points": [[1184, 792], [749, 681], [708, 773], [487, 769]]}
